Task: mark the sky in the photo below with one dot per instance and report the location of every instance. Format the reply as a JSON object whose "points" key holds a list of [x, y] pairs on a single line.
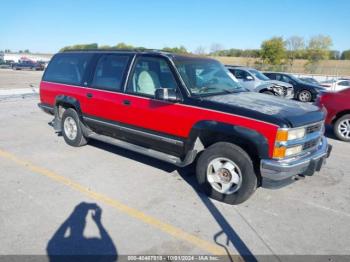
{"points": [[48, 25]]}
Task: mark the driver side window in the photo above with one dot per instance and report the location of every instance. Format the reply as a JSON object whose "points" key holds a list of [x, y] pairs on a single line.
{"points": [[241, 74], [149, 74]]}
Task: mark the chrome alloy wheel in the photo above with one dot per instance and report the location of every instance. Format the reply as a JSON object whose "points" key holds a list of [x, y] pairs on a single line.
{"points": [[70, 128], [224, 175], [344, 128], [305, 96]]}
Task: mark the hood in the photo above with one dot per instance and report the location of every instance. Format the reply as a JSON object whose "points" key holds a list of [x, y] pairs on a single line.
{"points": [[268, 108], [318, 87]]}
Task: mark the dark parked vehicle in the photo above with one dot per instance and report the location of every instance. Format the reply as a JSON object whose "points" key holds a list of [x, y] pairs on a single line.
{"points": [[164, 105], [303, 91], [28, 65], [256, 81], [338, 108]]}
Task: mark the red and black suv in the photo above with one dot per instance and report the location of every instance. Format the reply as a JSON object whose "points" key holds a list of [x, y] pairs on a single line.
{"points": [[182, 109]]}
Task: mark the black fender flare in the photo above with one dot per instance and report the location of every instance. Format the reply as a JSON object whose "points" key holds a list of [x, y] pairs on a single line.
{"points": [[67, 102], [238, 133]]}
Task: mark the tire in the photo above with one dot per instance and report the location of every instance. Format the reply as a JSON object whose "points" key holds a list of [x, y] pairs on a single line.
{"points": [[305, 96], [71, 129], [341, 128], [268, 93], [242, 189]]}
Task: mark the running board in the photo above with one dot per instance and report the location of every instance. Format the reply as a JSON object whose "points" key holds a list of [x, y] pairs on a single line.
{"points": [[190, 157]]}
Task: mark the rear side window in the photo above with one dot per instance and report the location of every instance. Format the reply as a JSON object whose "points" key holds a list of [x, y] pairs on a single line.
{"points": [[271, 76], [67, 68], [109, 72], [344, 83]]}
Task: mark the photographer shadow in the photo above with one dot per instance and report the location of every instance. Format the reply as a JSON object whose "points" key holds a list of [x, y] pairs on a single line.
{"points": [[227, 235], [69, 243]]}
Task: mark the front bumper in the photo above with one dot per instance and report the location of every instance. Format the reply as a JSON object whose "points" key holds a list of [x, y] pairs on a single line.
{"points": [[278, 173]]}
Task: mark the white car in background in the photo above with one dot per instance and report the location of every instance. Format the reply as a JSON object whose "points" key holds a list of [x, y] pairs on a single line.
{"points": [[336, 85]]}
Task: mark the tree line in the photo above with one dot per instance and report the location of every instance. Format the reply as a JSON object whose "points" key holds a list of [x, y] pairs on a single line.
{"points": [[273, 51], [121, 46]]}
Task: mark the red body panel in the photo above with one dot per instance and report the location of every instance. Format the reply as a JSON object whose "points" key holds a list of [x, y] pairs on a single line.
{"points": [[335, 103], [171, 118]]}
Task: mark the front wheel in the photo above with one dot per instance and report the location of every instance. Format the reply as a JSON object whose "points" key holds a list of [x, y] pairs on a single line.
{"points": [[225, 172], [342, 128], [305, 96]]}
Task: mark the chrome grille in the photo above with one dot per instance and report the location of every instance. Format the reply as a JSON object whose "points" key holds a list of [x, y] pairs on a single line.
{"points": [[313, 128], [310, 144]]}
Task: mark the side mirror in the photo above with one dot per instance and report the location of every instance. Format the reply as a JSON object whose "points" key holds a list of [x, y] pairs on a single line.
{"points": [[249, 78], [167, 94]]}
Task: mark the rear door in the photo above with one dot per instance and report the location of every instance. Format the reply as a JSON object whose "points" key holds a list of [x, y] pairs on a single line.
{"points": [[104, 93]]}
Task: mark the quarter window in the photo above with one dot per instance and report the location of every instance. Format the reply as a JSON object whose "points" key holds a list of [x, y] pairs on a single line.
{"points": [[149, 74], [67, 68], [109, 72]]}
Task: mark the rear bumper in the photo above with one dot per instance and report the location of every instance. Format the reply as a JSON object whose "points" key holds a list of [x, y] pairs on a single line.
{"points": [[278, 173]]}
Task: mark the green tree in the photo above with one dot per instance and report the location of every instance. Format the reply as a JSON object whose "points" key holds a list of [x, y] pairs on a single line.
{"points": [[273, 51], [177, 50], [80, 47], [105, 47], [345, 55], [318, 49], [123, 46]]}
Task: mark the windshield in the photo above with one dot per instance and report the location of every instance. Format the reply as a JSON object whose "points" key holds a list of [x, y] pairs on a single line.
{"points": [[206, 76], [259, 75]]}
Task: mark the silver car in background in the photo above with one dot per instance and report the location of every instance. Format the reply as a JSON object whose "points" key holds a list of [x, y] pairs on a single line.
{"points": [[256, 81]]}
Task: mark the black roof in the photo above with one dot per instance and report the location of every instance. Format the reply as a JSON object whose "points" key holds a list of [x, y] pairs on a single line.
{"points": [[134, 51]]}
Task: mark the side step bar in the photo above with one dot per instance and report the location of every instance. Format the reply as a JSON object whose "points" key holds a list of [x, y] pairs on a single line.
{"points": [[190, 157]]}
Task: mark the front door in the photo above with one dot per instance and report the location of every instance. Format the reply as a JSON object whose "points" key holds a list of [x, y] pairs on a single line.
{"points": [[157, 123]]}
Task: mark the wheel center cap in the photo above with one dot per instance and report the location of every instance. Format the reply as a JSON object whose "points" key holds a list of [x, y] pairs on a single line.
{"points": [[225, 175]]}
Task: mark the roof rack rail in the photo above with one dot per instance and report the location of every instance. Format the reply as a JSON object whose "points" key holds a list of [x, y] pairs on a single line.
{"points": [[116, 50]]}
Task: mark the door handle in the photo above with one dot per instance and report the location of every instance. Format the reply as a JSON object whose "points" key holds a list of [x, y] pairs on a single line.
{"points": [[89, 95], [126, 102]]}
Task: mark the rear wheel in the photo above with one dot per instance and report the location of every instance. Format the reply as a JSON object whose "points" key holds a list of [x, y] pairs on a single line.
{"points": [[305, 96], [71, 129], [342, 128], [225, 172]]}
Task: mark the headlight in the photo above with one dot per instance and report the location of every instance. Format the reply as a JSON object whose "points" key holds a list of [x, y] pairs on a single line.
{"points": [[278, 89], [284, 135], [282, 152], [294, 150]]}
